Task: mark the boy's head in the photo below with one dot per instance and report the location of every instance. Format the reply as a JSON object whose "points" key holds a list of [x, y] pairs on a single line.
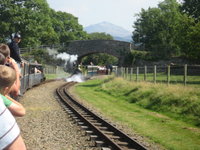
{"points": [[2, 59], [4, 49], [7, 79]]}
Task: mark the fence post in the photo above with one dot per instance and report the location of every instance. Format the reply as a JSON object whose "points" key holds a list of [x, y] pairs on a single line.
{"points": [[131, 74], [116, 72], [145, 73], [154, 77], [168, 74], [124, 72], [120, 72], [185, 74], [127, 73], [92, 71], [137, 73]]}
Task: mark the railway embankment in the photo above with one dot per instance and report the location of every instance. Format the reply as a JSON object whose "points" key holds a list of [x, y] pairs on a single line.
{"points": [[167, 115]]}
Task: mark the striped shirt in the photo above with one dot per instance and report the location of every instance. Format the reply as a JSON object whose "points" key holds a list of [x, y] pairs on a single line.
{"points": [[9, 129]]}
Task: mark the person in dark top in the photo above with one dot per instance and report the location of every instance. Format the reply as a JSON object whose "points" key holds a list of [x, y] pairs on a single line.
{"points": [[14, 49]]}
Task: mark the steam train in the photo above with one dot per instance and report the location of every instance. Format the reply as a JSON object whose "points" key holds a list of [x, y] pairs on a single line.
{"points": [[30, 76]]}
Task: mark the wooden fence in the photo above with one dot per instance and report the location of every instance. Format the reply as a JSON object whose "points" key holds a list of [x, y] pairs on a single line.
{"points": [[52, 69], [185, 74]]}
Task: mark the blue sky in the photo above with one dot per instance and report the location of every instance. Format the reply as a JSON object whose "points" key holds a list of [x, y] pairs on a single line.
{"points": [[118, 12]]}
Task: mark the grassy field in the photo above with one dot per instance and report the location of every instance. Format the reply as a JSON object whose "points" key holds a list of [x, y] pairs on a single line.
{"points": [[167, 115], [56, 76]]}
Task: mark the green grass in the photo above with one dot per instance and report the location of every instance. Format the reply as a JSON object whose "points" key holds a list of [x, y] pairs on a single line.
{"points": [[162, 78], [56, 76], [135, 105]]}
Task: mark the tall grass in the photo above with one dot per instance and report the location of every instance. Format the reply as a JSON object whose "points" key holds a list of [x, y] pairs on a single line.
{"points": [[176, 101], [135, 104]]}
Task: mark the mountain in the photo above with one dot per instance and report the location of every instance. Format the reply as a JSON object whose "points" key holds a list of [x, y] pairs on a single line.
{"points": [[117, 32]]}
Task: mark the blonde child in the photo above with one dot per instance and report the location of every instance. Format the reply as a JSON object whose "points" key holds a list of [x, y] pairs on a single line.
{"points": [[10, 138], [4, 49]]}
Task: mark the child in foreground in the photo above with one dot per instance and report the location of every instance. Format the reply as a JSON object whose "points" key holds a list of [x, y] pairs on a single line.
{"points": [[4, 49], [10, 138]]}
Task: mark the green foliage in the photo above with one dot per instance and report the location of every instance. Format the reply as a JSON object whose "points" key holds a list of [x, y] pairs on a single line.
{"points": [[192, 8], [100, 59], [66, 26], [138, 55], [191, 45], [100, 36], [30, 18], [37, 23], [167, 31], [157, 29], [42, 57]]}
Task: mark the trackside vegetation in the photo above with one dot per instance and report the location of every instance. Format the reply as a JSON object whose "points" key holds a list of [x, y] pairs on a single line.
{"points": [[168, 115]]}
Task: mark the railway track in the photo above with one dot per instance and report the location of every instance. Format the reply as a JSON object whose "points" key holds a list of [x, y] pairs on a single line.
{"points": [[103, 133]]}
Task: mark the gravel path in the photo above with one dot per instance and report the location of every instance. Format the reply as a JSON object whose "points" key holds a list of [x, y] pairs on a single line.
{"points": [[46, 126]]}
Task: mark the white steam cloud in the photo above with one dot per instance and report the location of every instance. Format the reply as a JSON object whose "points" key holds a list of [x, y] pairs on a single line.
{"points": [[76, 78], [52, 51], [70, 61], [67, 57]]}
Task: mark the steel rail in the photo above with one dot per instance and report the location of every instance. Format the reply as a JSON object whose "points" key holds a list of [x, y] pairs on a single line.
{"points": [[121, 140]]}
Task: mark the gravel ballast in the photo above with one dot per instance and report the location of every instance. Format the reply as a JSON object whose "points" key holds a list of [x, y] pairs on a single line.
{"points": [[46, 126]]}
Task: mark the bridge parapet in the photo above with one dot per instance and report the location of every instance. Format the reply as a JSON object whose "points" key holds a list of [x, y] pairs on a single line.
{"points": [[86, 47]]}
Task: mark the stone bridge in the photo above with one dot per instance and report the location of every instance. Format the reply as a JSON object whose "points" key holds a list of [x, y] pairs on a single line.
{"points": [[83, 48]]}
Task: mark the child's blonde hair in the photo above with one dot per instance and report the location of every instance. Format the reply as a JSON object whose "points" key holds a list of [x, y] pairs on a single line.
{"points": [[7, 77]]}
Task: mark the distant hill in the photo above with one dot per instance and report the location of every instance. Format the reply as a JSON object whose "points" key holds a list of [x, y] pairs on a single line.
{"points": [[117, 32]]}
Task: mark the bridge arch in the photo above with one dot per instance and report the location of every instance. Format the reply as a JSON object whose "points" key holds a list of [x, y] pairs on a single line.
{"points": [[83, 48]]}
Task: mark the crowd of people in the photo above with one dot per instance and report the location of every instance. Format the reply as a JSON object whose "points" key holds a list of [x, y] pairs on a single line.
{"points": [[10, 66]]}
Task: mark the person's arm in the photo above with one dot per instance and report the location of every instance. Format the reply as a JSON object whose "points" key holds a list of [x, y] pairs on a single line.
{"points": [[16, 108]]}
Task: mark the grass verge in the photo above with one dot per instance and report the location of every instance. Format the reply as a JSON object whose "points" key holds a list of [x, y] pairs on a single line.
{"points": [[56, 76], [136, 105]]}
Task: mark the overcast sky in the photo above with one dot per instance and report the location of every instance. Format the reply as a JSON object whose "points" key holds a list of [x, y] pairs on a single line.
{"points": [[118, 12]]}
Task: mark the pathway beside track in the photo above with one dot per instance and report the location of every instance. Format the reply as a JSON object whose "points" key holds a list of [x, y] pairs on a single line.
{"points": [[46, 126]]}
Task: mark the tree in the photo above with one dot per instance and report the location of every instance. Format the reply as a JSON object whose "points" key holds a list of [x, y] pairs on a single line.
{"points": [[192, 8], [37, 23], [30, 18], [100, 36], [157, 28], [67, 27], [190, 44]]}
